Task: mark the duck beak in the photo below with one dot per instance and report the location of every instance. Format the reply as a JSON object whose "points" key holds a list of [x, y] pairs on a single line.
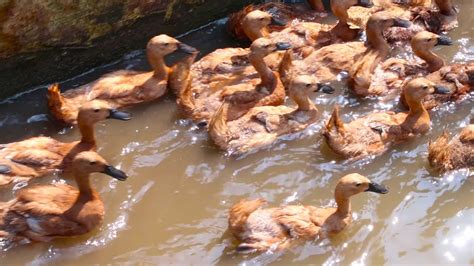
{"points": [[119, 115], [365, 3], [115, 173], [377, 188], [325, 88], [186, 49], [444, 40], [283, 46], [441, 90], [5, 169], [277, 22], [398, 22]]}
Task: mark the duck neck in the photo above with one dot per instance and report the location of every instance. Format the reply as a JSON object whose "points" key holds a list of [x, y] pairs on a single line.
{"points": [[266, 74], [87, 131], [254, 33], [157, 62], [339, 9], [375, 39], [83, 184], [446, 7], [317, 5], [303, 101], [343, 204], [416, 108], [434, 61]]}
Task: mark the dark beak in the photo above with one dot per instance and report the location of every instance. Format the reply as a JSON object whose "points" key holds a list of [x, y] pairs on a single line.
{"points": [[441, 90], [115, 173], [277, 22], [325, 88], [444, 40], [365, 3], [283, 46], [5, 169], [398, 22], [119, 115], [186, 49], [377, 188]]}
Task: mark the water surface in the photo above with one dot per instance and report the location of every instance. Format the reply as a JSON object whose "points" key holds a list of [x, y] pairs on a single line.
{"points": [[173, 208]]}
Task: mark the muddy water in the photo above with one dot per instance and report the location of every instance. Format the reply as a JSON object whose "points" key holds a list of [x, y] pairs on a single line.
{"points": [[173, 208]]}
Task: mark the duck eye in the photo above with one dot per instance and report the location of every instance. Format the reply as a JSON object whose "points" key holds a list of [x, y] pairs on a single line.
{"points": [[425, 87], [93, 163], [308, 85], [358, 184], [166, 44], [261, 18], [430, 39], [96, 110]]}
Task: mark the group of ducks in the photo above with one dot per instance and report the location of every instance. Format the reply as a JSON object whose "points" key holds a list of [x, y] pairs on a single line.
{"points": [[240, 96]]}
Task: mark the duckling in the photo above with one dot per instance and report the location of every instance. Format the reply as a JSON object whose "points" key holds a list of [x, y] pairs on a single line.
{"points": [[262, 125], [237, 23], [326, 63], [445, 155], [259, 87], [389, 75], [39, 156], [44, 212], [260, 229], [123, 87], [421, 13], [302, 34], [377, 132]]}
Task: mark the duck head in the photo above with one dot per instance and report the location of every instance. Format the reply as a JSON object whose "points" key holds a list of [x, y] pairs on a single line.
{"points": [[417, 89], [255, 24], [426, 40], [377, 24], [91, 162], [422, 44], [163, 44], [96, 110], [353, 184], [264, 46]]}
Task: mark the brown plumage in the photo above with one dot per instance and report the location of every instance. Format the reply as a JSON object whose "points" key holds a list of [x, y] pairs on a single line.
{"points": [[244, 87], [260, 229], [390, 75], [279, 11], [43, 212], [326, 63], [446, 155], [262, 125], [377, 132], [421, 13], [38, 156], [123, 87]]}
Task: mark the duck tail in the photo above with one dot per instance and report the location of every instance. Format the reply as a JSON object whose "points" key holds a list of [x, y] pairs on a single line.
{"points": [[284, 68], [180, 76], [438, 152], [239, 213], [335, 123], [217, 129], [55, 99]]}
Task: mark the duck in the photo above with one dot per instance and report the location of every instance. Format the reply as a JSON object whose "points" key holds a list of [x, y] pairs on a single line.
{"points": [[121, 88], [237, 23], [421, 13], [39, 156], [263, 125], [377, 132], [389, 75], [260, 229], [303, 35], [326, 63], [446, 155], [41, 213], [259, 87]]}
